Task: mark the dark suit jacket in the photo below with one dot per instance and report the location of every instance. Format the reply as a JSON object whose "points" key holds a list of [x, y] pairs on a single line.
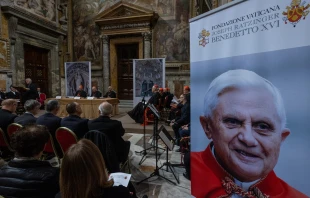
{"points": [[52, 122], [2, 95], [185, 115], [96, 94], [32, 93], [154, 99], [82, 93], [12, 95], [26, 118], [77, 124], [110, 94], [6, 118], [112, 128]]}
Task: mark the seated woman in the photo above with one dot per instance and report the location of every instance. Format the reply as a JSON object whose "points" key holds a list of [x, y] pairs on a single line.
{"points": [[83, 174], [26, 175]]}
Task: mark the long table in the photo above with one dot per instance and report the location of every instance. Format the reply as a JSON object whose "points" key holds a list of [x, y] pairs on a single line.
{"points": [[89, 106]]}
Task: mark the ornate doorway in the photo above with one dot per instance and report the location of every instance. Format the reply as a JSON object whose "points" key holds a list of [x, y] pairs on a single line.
{"points": [[125, 54], [36, 66]]}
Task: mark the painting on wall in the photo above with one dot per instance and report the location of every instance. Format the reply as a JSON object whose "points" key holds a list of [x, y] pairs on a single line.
{"points": [[77, 74], [166, 9], [4, 53], [43, 8]]}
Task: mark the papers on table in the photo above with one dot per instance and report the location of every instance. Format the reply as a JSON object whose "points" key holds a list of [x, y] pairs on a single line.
{"points": [[120, 179], [90, 98]]}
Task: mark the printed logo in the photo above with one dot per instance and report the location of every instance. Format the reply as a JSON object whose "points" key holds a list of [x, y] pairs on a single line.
{"points": [[203, 36], [296, 12]]}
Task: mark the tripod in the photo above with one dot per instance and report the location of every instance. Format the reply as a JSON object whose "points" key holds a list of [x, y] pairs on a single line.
{"points": [[156, 171], [153, 146], [168, 164]]}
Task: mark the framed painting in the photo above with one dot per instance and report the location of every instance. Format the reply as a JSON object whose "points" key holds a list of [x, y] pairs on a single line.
{"points": [[4, 53]]}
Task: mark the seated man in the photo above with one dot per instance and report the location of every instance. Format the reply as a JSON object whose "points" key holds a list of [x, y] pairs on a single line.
{"points": [[13, 93], [26, 175], [51, 121], [183, 120], [32, 107], [245, 118], [110, 93], [113, 129], [74, 122], [7, 115], [41, 98], [81, 92], [95, 93], [185, 130]]}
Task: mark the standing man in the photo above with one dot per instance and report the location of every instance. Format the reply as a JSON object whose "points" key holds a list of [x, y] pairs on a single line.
{"points": [[7, 115], [244, 116], [95, 93], [31, 91], [110, 93]]}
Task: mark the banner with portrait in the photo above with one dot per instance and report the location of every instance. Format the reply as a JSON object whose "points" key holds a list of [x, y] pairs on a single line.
{"points": [[77, 74], [147, 72], [270, 38]]}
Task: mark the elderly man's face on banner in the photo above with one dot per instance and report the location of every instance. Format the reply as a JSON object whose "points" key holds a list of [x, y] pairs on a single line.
{"points": [[247, 132]]}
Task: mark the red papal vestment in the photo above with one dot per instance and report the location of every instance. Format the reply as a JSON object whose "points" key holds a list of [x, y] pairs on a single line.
{"points": [[207, 176]]}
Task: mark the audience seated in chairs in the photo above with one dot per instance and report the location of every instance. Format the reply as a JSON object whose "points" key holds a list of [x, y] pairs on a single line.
{"points": [[113, 129], [42, 97], [95, 93], [51, 121], [175, 111], [26, 175], [183, 120], [32, 108], [7, 115], [74, 122], [83, 174], [12, 94]]}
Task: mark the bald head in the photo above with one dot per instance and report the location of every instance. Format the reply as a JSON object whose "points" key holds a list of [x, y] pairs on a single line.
{"points": [[105, 109], [28, 81], [110, 88]]}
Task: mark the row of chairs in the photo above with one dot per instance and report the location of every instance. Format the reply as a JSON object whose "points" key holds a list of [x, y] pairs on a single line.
{"points": [[65, 138]]}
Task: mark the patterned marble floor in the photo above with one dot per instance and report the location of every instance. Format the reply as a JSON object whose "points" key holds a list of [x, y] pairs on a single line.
{"points": [[156, 187]]}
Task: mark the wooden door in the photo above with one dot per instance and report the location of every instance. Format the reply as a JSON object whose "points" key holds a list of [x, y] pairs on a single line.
{"points": [[125, 54], [36, 66]]}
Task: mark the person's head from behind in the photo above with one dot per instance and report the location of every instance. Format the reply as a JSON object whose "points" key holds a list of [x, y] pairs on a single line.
{"points": [[245, 118], [74, 108], [9, 105], [32, 106], [161, 91], [83, 172], [105, 109], [52, 106], [29, 141]]}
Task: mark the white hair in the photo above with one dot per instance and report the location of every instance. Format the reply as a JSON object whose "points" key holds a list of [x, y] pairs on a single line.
{"points": [[105, 108], [237, 79]]}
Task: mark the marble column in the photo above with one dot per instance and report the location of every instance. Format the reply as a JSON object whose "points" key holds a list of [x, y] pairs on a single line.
{"points": [[147, 37], [106, 62]]}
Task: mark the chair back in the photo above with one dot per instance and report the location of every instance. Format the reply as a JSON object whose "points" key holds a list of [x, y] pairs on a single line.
{"points": [[12, 128], [42, 96], [4, 143], [106, 148], [65, 137]]}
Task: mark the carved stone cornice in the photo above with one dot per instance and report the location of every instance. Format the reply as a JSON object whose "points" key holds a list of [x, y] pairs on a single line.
{"points": [[147, 36], [122, 26], [32, 20]]}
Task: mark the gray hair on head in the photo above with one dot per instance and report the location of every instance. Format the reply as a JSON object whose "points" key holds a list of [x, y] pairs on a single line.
{"points": [[105, 108], [52, 105], [237, 79], [31, 105]]}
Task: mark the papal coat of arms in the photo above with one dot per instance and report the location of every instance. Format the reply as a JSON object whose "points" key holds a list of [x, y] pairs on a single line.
{"points": [[203, 36], [296, 12]]}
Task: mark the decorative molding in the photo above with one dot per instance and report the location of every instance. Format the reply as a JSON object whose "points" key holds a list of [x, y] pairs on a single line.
{"points": [[127, 25], [105, 39], [147, 36], [13, 27]]}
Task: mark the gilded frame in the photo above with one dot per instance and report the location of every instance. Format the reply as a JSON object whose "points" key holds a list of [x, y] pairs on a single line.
{"points": [[4, 53]]}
